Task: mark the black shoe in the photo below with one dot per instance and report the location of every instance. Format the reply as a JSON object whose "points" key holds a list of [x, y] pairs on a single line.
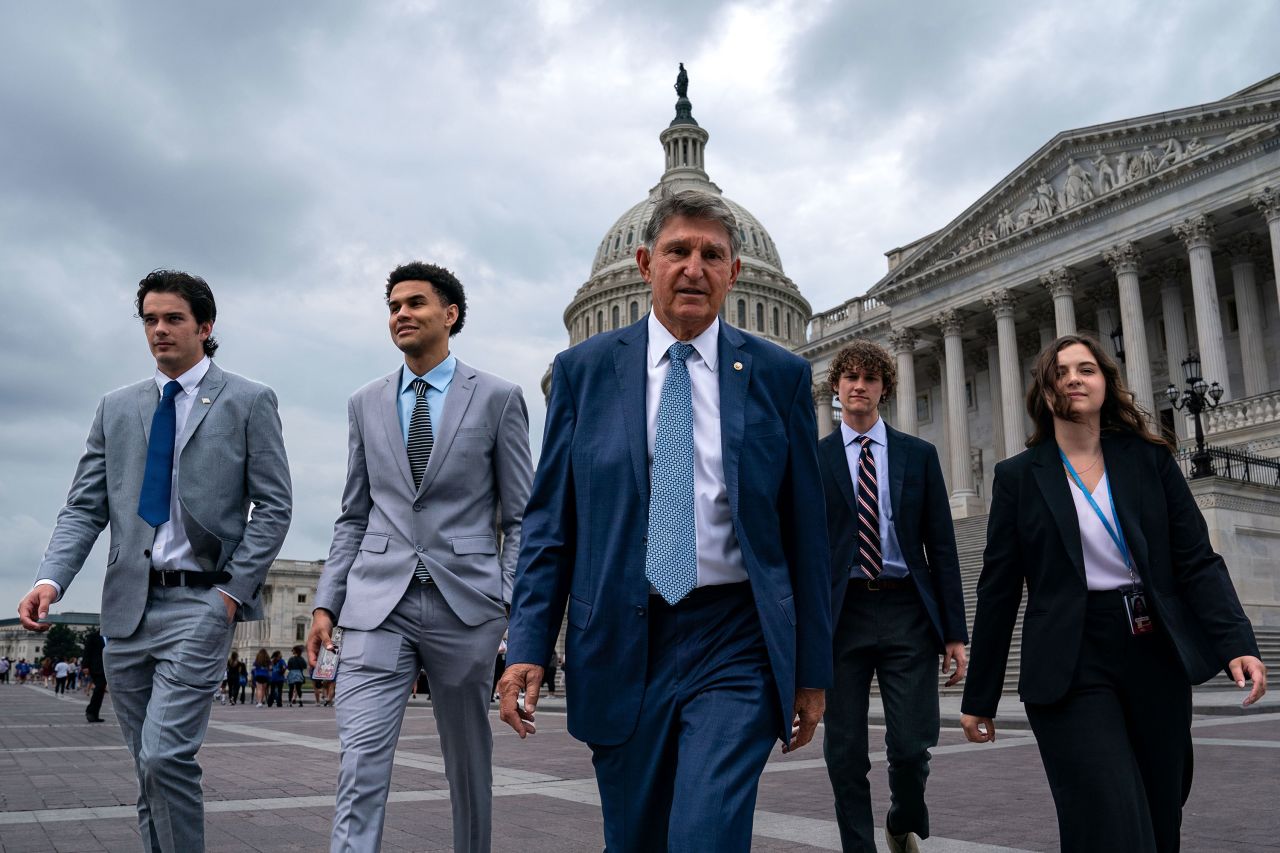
{"points": [[93, 719]]}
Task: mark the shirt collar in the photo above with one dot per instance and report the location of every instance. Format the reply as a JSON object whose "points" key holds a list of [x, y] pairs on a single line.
{"points": [[437, 377], [190, 380], [707, 344], [878, 433]]}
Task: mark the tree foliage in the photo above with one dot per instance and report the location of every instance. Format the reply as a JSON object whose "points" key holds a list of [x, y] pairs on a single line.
{"points": [[61, 642]]}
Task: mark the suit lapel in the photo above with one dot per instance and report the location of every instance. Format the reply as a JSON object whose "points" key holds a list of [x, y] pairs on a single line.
{"points": [[1125, 484], [210, 387], [629, 364], [734, 371], [835, 457], [1052, 480], [148, 397], [389, 411], [898, 451], [456, 402]]}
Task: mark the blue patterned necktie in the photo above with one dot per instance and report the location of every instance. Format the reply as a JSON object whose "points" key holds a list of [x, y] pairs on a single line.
{"points": [[671, 560], [157, 480], [870, 559]]}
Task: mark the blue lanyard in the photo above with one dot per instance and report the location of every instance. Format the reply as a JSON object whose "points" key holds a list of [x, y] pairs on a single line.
{"points": [[1117, 536]]}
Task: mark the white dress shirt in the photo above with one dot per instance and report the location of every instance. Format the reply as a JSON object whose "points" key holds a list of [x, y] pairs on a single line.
{"points": [[719, 556], [1104, 567], [891, 559]]}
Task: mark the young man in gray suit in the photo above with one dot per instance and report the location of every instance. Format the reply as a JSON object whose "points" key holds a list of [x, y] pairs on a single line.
{"points": [[423, 556], [173, 464]]}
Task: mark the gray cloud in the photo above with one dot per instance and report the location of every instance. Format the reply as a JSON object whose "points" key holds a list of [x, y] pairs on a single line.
{"points": [[294, 153]]}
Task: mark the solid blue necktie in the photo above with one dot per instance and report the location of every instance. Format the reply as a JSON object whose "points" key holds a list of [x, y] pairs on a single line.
{"points": [[157, 481], [671, 560]]}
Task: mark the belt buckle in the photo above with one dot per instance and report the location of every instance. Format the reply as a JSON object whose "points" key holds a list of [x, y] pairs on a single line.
{"points": [[167, 574], [873, 585]]}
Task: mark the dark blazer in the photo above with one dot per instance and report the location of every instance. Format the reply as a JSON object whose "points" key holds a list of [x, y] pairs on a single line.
{"points": [[586, 522], [921, 519], [1033, 534]]}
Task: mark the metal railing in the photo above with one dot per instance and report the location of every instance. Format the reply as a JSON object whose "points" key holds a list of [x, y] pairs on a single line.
{"points": [[1232, 464]]}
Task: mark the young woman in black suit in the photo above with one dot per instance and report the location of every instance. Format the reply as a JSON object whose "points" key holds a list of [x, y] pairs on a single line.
{"points": [[1121, 619]]}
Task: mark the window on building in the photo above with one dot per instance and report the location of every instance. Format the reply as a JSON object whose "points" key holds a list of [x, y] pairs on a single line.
{"points": [[924, 408], [1233, 318], [302, 598], [300, 631], [586, 321], [788, 325], [600, 321], [742, 313], [971, 395], [635, 311], [776, 330], [617, 317], [759, 316]]}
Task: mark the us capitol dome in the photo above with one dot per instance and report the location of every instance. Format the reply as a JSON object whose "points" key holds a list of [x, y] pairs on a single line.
{"points": [[764, 301]]}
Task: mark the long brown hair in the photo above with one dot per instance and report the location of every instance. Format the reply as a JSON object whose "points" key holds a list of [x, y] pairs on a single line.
{"points": [[1119, 411]]}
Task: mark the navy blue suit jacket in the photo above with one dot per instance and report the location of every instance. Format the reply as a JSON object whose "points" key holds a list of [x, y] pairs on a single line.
{"points": [[586, 522], [921, 519]]}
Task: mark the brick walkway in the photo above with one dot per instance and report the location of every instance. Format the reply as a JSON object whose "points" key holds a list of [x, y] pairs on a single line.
{"points": [[269, 777]]}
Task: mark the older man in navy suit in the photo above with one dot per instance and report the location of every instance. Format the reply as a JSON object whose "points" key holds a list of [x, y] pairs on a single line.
{"points": [[677, 512]]}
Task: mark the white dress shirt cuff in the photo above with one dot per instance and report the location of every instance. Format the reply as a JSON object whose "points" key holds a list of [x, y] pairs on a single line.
{"points": [[52, 583], [238, 602]]}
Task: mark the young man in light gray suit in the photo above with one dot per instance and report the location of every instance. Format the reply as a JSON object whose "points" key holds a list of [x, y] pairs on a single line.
{"points": [[173, 464], [423, 556]]}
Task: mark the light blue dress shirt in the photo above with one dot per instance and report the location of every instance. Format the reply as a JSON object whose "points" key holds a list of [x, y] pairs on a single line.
{"points": [[895, 566], [439, 378]]}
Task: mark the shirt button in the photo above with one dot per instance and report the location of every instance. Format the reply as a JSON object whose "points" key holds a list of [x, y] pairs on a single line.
{"points": [[640, 610]]}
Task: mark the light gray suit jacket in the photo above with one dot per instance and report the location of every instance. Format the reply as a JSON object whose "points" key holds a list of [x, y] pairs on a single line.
{"points": [[475, 486], [230, 457]]}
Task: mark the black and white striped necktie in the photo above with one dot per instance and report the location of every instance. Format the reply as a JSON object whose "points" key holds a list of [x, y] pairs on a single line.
{"points": [[871, 561], [419, 447]]}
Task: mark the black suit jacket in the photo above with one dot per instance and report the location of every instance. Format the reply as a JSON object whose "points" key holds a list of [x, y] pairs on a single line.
{"points": [[921, 519], [1033, 535]]}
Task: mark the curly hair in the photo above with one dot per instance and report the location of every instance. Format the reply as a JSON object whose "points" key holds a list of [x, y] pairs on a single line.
{"points": [[444, 282], [1119, 411], [866, 356]]}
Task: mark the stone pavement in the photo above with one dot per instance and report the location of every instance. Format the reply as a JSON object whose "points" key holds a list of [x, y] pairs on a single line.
{"points": [[269, 775]]}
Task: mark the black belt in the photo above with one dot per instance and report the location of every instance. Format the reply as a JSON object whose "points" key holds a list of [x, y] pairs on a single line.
{"points": [[882, 584], [181, 578]]}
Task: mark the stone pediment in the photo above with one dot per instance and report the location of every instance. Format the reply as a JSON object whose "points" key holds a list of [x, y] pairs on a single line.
{"points": [[1079, 172]]}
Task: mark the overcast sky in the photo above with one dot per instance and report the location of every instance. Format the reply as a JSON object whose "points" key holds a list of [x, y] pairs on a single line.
{"points": [[293, 153]]}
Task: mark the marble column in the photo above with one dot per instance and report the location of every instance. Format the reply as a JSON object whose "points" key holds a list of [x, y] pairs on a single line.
{"points": [[1243, 249], [1175, 330], [822, 408], [964, 498], [1197, 233], [1123, 258], [1061, 284], [1268, 203], [993, 384], [1104, 301], [902, 342], [1001, 303]]}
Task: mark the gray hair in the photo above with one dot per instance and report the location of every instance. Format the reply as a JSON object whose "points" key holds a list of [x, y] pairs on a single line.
{"points": [[695, 204]]}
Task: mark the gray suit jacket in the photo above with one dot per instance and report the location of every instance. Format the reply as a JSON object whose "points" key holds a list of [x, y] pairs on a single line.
{"points": [[475, 486], [231, 457]]}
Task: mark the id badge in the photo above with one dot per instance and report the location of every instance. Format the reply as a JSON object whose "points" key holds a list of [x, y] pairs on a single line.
{"points": [[1135, 605]]}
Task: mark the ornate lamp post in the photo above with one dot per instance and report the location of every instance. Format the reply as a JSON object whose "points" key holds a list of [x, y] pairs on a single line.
{"points": [[1198, 396], [1117, 342]]}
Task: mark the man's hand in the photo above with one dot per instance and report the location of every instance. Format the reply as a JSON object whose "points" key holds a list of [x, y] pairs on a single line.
{"points": [[35, 606], [519, 678], [231, 607], [810, 703], [955, 652], [978, 729], [320, 635], [1245, 667]]}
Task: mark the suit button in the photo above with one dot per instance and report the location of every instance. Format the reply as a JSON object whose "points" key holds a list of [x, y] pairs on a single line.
{"points": [[147, 553], [417, 507], [418, 548], [640, 611]]}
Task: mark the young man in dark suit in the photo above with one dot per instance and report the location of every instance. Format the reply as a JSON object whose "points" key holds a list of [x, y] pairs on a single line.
{"points": [[897, 601]]}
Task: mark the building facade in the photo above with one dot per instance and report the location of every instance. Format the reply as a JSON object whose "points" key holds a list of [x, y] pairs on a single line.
{"points": [[1159, 234]]}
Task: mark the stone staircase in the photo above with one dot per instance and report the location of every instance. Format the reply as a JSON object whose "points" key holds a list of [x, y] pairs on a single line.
{"points": [[971, 538]]}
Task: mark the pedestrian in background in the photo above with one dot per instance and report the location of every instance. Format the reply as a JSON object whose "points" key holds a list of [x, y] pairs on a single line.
{"points": [[261, 678], [296, 674], [275, 692], [93, 647], [60, 670]]}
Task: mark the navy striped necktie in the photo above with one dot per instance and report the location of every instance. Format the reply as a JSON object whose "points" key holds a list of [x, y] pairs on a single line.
{"points": [[421, 440], [870, 558]]}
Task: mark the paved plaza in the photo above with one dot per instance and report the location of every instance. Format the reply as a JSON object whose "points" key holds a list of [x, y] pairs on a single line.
{"points": [[269, 775]]}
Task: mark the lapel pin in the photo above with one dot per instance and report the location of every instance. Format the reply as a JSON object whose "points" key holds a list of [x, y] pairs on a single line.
{"points": [[205, 400], [737, 365]]}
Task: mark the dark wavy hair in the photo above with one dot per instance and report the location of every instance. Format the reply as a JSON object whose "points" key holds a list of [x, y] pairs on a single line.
{"points": [[868, 356], [1119, 411], [445, 283], [190, 287]]}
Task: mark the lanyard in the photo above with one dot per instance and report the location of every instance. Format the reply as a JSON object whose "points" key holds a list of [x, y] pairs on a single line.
{"points": [[1116, 534]]}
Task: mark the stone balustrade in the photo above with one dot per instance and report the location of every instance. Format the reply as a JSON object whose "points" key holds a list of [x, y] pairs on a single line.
{"points": [[1246, 413], [850, 313]]}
